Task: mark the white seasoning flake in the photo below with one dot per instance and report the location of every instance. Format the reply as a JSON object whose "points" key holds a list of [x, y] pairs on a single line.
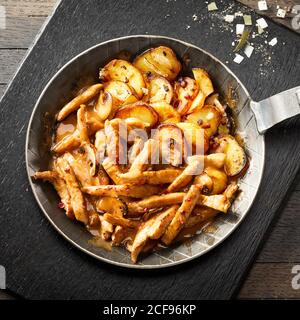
{"points": [[262, 23], [229, 18], [273, 42], [281, 13], [262, 5], [238, 14], [240, 28], [260, 30], [238, 58], [248, 50], [247, 20], [212, 6], [188, 27]]}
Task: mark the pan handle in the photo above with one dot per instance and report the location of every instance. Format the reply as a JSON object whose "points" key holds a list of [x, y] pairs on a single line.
{"points": [[275, 109]]}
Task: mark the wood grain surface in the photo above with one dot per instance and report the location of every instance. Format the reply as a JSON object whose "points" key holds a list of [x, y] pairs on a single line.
{"points": [[270, 276]]}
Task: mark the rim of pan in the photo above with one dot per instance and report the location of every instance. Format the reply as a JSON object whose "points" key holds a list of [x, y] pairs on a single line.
{"points": [[107, 260]]}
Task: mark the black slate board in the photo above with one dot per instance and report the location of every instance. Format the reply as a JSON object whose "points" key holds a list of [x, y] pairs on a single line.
{"points": [[38, 261]]}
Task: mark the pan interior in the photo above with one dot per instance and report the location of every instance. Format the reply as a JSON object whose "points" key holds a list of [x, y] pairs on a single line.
{"points": [[86, 66]]}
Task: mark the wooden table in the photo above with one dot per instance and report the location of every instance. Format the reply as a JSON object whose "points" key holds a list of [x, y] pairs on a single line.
{"points": [[270, 276]]}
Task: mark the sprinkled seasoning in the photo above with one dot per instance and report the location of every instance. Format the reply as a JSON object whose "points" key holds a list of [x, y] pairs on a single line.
{"points": [[212, 6]]}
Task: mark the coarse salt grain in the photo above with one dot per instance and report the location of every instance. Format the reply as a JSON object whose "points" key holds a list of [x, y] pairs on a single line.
{"points": [[262, 23], [212, 6], [238, 58], [248, 50], [247, 20], [240, 28], [273, 42], [229, 18], [262, 5], [260, 30], [281, 13]]}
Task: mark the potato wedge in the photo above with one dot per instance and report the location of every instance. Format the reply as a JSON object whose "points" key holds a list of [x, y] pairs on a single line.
{"points": [[123, 235], [153, 229], [216, 160], [197, 142], [123, 71], [159, 90], [160, 61], [208, 118], [205, 182], [104, 105], [106, 229], [185, 91], [68, 143], [171, 144], [236, 159], [166, 113], [203, 80], [120, 221], [219, 179], [74, 104], [182, 214], [200, 215], [198, 103], [139, 110]]}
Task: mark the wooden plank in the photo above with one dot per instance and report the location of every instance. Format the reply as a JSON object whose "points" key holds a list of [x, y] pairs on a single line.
{"points": [[9, 62], [272, 10], [28, 8], [2, 89], [282, 245], [20, 31], [270, 281]]}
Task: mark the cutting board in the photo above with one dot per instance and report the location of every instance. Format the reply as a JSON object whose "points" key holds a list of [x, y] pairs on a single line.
{"points": [[271, 12], [38, 261]]}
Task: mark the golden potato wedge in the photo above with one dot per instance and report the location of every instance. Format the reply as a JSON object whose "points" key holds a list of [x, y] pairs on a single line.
{"points": [[198, 103], [195, 137], [219, 179], [171, 144], [236, 158], [208, 118], [122, 235], [159, 90], [139, 110], [106, 229], [205, 182], [166, 113], [160, 61], [123, 71], [185, 91], [203, 80], [68, 143], [113, 170], [104, 105], [216, 160], [74, 104]]}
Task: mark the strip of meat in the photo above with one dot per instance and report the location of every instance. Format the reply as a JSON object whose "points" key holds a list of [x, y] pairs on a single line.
{"points": [[74, 104], [153, 229], [153, 177], [120, 221], [182, 214], [129, 190], [77, 199], [60, 187]]}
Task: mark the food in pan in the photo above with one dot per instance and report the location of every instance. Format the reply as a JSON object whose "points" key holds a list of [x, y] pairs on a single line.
{"points": [[147, 156]]}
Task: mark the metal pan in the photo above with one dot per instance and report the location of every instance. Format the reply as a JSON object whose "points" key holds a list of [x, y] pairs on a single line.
{"points": [[254, 118]]}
